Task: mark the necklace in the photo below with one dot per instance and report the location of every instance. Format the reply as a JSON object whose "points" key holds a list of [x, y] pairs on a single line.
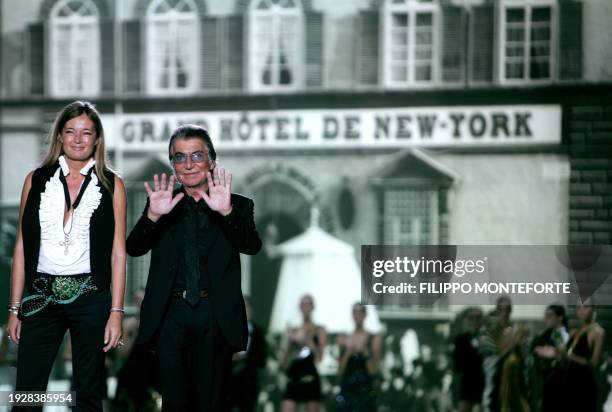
{"points": [[67, 241]]}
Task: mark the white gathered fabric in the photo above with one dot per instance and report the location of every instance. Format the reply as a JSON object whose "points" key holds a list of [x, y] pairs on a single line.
{"points": [[53, 258]]}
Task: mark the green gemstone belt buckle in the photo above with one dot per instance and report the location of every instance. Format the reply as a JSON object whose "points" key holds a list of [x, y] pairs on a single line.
{"points": [[65, 288]]}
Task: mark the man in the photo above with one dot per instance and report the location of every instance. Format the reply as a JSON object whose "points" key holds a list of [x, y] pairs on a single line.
{"points": [[193, 311]]}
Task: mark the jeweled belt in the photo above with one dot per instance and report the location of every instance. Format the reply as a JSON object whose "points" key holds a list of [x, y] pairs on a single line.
{"points": [[50, 289]]}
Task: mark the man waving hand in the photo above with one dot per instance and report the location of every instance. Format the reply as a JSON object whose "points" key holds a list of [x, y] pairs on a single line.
{"points": [[193, 313]]}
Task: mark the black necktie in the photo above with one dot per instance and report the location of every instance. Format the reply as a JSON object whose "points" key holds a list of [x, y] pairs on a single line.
{"points": [[192, 264]]}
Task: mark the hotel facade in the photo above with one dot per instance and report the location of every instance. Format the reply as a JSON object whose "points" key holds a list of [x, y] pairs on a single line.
{"points": [[402, 121]]}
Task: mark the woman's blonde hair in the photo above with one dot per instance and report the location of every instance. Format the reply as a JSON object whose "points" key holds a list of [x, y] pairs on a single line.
{"points": [[72, 110]]}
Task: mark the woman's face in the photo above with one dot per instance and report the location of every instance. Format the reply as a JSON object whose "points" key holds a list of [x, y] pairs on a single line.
{"points": [[79, 138], [474, 320], [306, 306], [551, 320], [585, 312], [359, 314], [504, 310]]}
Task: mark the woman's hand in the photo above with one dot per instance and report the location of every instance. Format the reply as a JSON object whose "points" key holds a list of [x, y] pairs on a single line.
{"points": [[546, 351], [113, 331], [13, 328]]}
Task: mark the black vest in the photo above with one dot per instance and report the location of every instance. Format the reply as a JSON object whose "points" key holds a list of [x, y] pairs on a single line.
{"points": [[101, 232]]}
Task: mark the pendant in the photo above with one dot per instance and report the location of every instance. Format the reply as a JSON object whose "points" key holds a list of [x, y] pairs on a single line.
{"points": [[67, 242]]}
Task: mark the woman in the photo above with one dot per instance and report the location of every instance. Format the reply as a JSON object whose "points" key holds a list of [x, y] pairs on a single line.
{"points": [[359, 358], [582, 357], [546, 349], [503, 365], [302, 349], [468, 361], [69, 259]]}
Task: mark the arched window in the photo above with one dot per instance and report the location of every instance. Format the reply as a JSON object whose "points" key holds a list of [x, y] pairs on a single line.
{"points": [[75, 48], [172, 47], [410, 42], [276, 36]]}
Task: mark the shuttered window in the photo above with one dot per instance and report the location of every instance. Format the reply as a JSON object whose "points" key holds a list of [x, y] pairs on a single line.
{"points": [[222, 53], [368, 48], [132, 57], [232, 67], [314, 49], [481, 43], [75, 49], [35, 59], [210, 57], [107, 42], [527, 39], [454, 44], [172, 47], [276, 36], [570, 40]]}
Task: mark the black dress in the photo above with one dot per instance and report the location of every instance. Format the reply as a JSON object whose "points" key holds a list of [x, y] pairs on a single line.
{"points": [[581, 385], [357, 389], [550, 375], [468, 368], [304, 383]]}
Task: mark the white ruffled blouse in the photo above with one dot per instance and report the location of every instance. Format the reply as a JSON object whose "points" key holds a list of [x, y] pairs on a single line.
{"points": [[55, 258]]}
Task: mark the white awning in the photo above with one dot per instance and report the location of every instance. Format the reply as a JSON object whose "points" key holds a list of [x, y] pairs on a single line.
{"points": [[325, 267]]}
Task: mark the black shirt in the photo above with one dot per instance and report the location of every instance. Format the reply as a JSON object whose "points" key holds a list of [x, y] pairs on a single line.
{"points": [[194, 215]]}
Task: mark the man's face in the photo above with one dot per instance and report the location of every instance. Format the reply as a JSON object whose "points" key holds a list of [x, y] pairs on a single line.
{"points": [[190, 173]]}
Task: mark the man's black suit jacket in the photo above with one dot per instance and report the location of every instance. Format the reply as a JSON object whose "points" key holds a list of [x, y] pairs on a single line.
{"points": [[232, 234]]}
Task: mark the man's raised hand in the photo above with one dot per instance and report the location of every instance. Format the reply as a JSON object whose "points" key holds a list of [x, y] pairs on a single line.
{"points": [[219, 191], [160, 199]]}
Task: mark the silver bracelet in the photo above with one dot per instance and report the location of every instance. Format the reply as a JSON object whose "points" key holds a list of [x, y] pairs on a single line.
{"points": [[118, 310]]}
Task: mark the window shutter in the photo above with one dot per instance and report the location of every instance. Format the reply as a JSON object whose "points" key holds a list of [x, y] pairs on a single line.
{"points": [[132, 56], [107, 48], [482, 43], [314, 49], [233, 52], [453, 44], [210, 56], [367, 47], [36, 58], [570, 40]]}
